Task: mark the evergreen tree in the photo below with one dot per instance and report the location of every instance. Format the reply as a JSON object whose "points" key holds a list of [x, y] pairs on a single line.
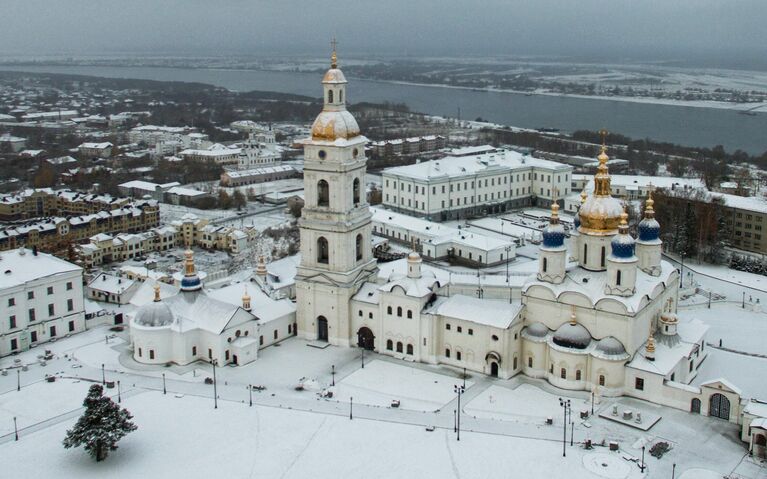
{"points": [[100, 427]]}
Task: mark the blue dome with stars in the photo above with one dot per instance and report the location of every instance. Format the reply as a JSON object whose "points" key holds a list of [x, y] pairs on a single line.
{"points": [[554, 236], [622, 246], [648, 229]]}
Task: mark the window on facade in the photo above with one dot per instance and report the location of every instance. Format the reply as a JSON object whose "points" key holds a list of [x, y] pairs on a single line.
{"points": [[530, 362], [359, 246], [388, 310], [447, 326], [458, 355], [601, 379], [12, 322], [602, 261], [447, 353], [51, 311], [639, 384], [545, 264], [459, 329], [70, 305], [585, 253], [618, 278], [471, 332], [30, 295], [563, 373], [495, 338], [356, 191], [551, 369], [71, 326], [276, 335], [409, 314], [194, 350], [14, 344], [69, 286], [33, 336], [11, 301], [330, 96], [691, 366], [578, 375], [389, 344], [399, 346], [52, 331], [399, 311], [140, 353], [50, 290], [322, 250], [514, 364], [410, 349], [323, 193], [359, 313]]}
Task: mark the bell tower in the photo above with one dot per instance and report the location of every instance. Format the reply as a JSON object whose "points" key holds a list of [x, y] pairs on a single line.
{"points": [[336, 257]]}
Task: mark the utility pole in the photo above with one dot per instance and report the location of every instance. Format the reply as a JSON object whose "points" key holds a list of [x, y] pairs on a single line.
{"points": [[119, 393], [250, 395], [351, 405], [215, 391], [459, 390], [164, 389]]}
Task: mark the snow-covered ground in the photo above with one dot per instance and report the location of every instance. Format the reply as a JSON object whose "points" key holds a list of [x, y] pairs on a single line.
{"points": [[739, 329], [526, 403]]}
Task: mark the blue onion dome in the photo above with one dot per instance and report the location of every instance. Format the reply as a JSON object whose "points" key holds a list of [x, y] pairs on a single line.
{"points": [[572, 335], [649, 229], [554, 233], [623, 243], [191, 281]]}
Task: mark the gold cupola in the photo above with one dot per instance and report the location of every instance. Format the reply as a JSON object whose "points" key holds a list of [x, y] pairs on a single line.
{"points": [[600, 214], [334, 122]]}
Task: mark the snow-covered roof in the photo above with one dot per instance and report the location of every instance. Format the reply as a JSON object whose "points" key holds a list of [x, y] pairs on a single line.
{"points": [[262, 306], [669, 354], [111, 284], [460, 166], [488, 312], [20, 266]]}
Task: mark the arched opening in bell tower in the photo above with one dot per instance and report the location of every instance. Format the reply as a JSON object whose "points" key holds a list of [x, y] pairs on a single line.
{"points": [[322, 250], [358, 245], [330, 96], [356, 191], [323, 193]]}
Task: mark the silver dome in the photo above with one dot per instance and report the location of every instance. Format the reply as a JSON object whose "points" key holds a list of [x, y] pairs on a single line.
{"points": [[610, 346], [154, 314], [536, 330], [572, 335]]}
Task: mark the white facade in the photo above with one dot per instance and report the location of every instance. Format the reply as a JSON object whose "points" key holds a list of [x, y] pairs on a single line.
{"points": [[459, 186], [41, 298]]}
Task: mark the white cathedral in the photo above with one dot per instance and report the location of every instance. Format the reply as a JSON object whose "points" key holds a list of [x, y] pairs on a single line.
{"points": [[599, 315]]}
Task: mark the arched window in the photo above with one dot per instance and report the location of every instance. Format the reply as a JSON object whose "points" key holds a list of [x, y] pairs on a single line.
{"points": [[585, 253], [388, 310], [399, 311], [447, 353], [602, 260], [323, 193], [330, 96], [530, 362], [601, 379], [545, 264], [389, 344], [410, 349], [358, 245], [578, 375], [618, 278], [340, 95], [514, 366], [322, 250], [409, 314], [399, 346], [563, 373], [356, 191], [458, 355]]}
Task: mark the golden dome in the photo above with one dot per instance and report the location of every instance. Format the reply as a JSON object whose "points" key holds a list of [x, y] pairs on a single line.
{"points": [[600, 213], [334, 125]]}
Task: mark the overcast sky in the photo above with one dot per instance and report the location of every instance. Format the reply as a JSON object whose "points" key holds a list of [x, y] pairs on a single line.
{"points": [[716, 32]]}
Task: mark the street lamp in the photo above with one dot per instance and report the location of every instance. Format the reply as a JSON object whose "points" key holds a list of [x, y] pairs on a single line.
{"points": [[464, 378], [592, 403], [250, 395], [215, 391], [565, 406], [642, 466], [103, 375], [119, 394], [673, 471], [15, 429], [351, 405], [455, 426], [333, 373], [18, 379], [164, 389], [459, 390]]}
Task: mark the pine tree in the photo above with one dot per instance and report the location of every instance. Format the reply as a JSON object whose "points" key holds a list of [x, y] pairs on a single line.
{"points": [[100, 427]]}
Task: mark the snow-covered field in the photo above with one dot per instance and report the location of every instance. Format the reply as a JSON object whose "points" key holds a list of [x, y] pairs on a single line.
{"points": [[526, 403], [382, 381], [739, 329]]}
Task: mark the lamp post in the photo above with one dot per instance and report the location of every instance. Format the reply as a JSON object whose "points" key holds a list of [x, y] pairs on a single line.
{"points": [[743, 304], [215, 391], [250, 395], [119, 393], [641, 466], [164, 389], [103, 375], [333, 374], [459, 390], [18, 379], [351, 406], [565, 405], [464, 378], [592, 403], [681, 273], [673, 471], [15, 429], [455, 426]]}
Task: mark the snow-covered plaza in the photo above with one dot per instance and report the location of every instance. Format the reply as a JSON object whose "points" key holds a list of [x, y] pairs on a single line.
{"points": [[296, 433]]}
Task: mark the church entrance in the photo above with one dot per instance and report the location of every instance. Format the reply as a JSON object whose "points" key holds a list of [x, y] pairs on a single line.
{"points": [[365, 338], [719, 406], [695, 406], [322, 328], [494, 369]]}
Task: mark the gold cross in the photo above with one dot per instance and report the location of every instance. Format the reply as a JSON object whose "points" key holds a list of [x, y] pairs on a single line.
{"points": [[333, 43], [603, 134]]}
